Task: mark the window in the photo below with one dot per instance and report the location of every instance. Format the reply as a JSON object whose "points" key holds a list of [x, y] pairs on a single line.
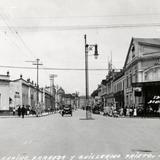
{"points": [[136, 76], [127, 99], [133, 50], [127, 82], [130, 80], [123, 85], [0, 100]]}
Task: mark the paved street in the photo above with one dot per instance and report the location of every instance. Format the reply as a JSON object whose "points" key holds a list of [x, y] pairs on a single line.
{"points": [[57, 135]]}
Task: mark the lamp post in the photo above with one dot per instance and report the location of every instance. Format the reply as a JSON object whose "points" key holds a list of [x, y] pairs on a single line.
{"points": [[87, 46]]}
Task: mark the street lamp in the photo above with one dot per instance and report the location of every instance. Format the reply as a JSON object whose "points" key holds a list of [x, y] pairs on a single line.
{"points": [[87, 48]]}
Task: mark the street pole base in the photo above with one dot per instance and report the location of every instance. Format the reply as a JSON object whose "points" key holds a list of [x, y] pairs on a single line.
{"points": [[88, 116], [86, 119]]}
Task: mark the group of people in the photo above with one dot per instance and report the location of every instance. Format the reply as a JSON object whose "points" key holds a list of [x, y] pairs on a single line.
{"points": [[21, 111], [130, 112], [122, 112]]}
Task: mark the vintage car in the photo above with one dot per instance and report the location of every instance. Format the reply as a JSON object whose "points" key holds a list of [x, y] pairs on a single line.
{"points": [[67, 109], [96, 109]]}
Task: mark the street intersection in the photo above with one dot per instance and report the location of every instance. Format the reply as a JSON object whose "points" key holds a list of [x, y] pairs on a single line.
{"points": [[76, 138]]}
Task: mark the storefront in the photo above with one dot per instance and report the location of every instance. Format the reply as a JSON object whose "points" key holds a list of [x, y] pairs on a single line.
{"points": [[119, 99], [150, 94]]}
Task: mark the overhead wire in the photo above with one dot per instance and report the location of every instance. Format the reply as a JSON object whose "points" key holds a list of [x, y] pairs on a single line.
{"points": [[95, 16], [90, 27], [51, 68], [15, 33], [9, 38], [71, 27], [81, 27]]}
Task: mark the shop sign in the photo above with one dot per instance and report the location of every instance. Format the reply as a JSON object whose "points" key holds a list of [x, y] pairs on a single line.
{"points": [[155, 100], [138, 89]]}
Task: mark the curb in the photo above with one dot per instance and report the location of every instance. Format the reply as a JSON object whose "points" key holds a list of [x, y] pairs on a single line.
{"points": [[26, 116]]}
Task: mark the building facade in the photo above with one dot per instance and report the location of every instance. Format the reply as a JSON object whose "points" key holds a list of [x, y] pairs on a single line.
{"points": [[118, 89], [24, 93], [4, 92], [137, 85], [142, 75], [19, 92]]}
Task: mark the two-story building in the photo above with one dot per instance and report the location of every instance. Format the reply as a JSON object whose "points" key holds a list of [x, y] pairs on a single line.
{"points": [[142, 74], [24, 92], [4, 92], [118, 89], [19, 92], [138, 84]]}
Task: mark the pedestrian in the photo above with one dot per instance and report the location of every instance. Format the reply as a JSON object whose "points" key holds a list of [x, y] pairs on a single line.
{"points": [[128, 112], [28, 111], [19, 111], [23, 111], [124, 111], [14, 110], [135, 112], [121, 111]]}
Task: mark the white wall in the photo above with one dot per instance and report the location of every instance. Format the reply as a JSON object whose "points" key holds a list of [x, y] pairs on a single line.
{"points": [[4, 96], [16, 87]]}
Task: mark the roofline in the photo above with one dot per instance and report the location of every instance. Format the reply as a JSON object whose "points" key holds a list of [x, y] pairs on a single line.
{"points": [[128, 52], [138, 40], [140, 59], [4, 75], [6, 80], [149, 44]]}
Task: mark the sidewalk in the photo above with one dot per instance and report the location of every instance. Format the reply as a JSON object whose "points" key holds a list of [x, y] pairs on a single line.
{"points": [[27, 116], [130, 117]]}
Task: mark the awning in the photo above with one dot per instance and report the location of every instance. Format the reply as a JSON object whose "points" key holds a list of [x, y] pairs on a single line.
{"points": [[143, 84]]}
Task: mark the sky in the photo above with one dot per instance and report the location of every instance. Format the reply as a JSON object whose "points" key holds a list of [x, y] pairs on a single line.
{"points": [[53, 31]]}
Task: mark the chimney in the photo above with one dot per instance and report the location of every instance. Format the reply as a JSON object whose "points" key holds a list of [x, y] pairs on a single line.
{"points": [[28, 80], [21, 76]]}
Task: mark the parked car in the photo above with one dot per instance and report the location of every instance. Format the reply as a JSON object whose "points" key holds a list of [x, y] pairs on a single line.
{"points": [[96, 109], [67, 109]]}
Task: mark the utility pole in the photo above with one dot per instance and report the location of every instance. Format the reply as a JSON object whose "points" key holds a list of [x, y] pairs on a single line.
{"points": [[37, 63], [86, 73]]}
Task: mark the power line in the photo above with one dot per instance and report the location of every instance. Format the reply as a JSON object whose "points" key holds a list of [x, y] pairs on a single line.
{"points": [[15, 33], [84, 27], [95, 16], [13, 42], [60, 69]]}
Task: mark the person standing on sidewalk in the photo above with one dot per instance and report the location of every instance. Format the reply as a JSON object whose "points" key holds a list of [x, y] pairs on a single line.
{"points": [[135, 112], [23, 111], [19, 111], [14, 111]]}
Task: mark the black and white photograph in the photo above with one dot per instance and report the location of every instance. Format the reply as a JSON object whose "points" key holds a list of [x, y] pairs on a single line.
{"points": [[79, 79]]}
